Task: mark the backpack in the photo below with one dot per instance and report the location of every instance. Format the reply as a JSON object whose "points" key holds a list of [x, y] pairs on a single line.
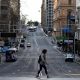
{"points": [[40, 59]]}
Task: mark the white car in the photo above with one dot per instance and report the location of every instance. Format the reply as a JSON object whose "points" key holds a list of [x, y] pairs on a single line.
{"points": [[28, 44], [69, 58], [13, 49]]}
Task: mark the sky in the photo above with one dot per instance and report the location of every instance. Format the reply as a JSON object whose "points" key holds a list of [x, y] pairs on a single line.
{"points": [[78, 2], [31, 9]]}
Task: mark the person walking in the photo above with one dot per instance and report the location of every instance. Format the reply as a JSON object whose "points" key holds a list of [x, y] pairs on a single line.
{"points": [[42, 63]]}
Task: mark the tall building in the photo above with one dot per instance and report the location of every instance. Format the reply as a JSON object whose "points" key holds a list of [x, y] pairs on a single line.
{"points": [[64, 15], [4, 15], [47, 15], [43, 15], [14, 14], [9, 15]]}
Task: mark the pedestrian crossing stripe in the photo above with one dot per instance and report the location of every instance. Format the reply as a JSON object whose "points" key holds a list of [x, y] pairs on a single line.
{"points": [[73, 74]]}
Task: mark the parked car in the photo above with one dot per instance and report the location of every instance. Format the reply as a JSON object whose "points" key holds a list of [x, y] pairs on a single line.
{"points": [[28, 44], [22, 41], [5, 48], [22, 45], [69, 58]]}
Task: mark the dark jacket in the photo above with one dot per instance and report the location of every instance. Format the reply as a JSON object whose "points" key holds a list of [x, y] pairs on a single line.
{"points": [[42, 59]]}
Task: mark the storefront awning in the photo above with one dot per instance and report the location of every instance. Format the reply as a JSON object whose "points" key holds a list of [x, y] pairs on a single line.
{"points": [[66, 30]]}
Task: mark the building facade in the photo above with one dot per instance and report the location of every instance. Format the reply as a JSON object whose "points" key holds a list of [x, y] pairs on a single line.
{"points": [[43, 15], [4, 15], [64, 10], [47, 15], [14, 15], [9, 15]]}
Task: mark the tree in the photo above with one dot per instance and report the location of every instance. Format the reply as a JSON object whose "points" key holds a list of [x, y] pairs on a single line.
{"points": [[30, 23], [36, 23]]}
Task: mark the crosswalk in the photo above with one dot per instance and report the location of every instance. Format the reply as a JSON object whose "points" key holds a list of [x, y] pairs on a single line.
{"points": [[43, 78]]}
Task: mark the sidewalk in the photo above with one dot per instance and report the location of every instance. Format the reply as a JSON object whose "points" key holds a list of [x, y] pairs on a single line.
{"points": [[27, 78], [77, 58]]}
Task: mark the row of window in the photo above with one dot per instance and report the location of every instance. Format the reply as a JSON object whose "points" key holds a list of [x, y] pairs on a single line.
{"points": [[50, 13], [4, 12], [58, 3], [3, 16], [4, 7], [69, 2], [50, 16], [50, 20]]}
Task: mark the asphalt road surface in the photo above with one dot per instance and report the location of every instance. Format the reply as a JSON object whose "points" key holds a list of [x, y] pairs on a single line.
{"points": [[27, 66]]}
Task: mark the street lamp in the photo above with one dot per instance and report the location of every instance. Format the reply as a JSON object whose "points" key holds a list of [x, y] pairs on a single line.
{"points": [[70, 23]]}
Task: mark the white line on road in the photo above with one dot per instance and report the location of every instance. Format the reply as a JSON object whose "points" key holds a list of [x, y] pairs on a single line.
{"points": [[38, 49], [73, 74]]}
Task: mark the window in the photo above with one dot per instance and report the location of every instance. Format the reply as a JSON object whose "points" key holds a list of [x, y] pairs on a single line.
{"points": [[4, 16], [69, 2], [4, 7], [69, 11]]}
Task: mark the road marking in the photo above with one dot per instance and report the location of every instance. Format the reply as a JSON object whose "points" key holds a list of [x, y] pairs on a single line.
{"points": [[18, 70], [13, 73], [55, 46], [38, 49], [73, 74], [69, 71]]}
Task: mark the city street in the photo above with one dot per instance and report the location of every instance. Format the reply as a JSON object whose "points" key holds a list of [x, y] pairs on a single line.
{"points": [[27, 65]]}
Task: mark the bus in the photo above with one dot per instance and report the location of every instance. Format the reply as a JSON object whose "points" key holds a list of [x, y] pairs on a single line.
{"points": [[32, 29]]}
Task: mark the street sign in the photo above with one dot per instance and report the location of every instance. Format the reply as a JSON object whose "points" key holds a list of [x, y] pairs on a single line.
{"points": [[68, 41]]}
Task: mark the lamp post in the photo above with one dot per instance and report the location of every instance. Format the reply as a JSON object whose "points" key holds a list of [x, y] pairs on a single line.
{"points": [[70, 23]]}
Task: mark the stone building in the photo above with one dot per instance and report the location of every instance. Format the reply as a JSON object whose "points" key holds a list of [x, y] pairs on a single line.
{"points": [[64, 16]]}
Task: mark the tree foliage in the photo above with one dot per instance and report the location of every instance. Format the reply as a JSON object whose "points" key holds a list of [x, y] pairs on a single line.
{"points": [[34, 23]]}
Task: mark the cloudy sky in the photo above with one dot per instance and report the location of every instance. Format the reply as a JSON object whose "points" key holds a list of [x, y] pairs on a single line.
{"points": [[78, 2], [32, 9]]}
